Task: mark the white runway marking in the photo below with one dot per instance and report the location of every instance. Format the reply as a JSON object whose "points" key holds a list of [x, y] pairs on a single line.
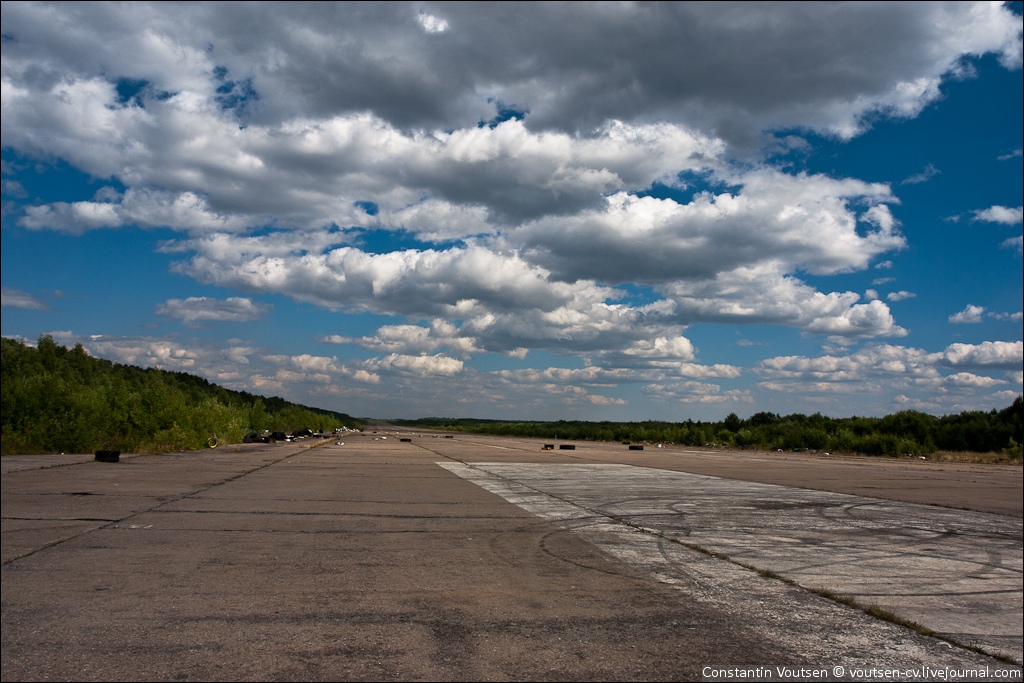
{"points": [[954, 572]]}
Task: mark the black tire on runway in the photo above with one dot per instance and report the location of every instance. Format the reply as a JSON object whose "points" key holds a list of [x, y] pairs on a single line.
{"points": [[108, 456]]}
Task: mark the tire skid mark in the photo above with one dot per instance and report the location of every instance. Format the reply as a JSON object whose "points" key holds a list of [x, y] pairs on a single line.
{"points": [[560, 493]]}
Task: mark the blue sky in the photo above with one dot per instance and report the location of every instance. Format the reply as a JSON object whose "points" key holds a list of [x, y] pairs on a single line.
{"points": [[525, 211]]}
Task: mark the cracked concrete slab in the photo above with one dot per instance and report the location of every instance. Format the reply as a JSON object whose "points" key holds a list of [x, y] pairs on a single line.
{"points": [[956, 573]]}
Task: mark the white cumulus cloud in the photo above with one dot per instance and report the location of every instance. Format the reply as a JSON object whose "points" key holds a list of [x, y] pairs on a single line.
{"points": [[998, 354], [1001, 214], [195, 309], [971, 314]]}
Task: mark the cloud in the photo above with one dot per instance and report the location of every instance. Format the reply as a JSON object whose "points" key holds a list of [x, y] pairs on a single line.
{"points": [[414, 340], [432, 24], [971, 314], [13, 188], [899, 296], [460, 282], [975, 314], [241, 366], [793, 67], [667, 355], [924, 176], [15, 298], [140, 208], [233, 365], [999, 354], [605, 400], [860, 366], [307, 132], [764, 294], [417, 366], [539, 216], [522, 195], [966, 379], [791, 221], [312, 173], [1014, 243], [508, 303], [567, 386], [558, 375], [1001, 214], [695, 392], [1012, 155], [659, 350], [195, 309], [421, 378], [910, 377], [217, 364]]}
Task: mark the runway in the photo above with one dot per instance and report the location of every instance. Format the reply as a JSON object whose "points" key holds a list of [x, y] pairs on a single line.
{"points": [[955, 573], [485, 558]]}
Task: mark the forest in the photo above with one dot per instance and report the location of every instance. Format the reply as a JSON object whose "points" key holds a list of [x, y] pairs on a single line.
{"points": [[908, 432], [60, 400]]}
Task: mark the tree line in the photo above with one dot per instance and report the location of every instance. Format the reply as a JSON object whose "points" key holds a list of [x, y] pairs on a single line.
{"points": [[56, 399], [60, 400], [905, 432]]}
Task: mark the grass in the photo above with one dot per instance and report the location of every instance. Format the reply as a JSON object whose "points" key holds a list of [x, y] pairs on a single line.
{"points": [[970, 457]]}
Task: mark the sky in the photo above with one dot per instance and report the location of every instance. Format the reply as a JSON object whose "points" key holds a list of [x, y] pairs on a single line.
{"points": [[585, 211]]}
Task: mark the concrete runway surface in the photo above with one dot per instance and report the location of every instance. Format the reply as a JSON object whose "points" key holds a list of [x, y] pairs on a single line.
{"points": [[483, 558]]}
